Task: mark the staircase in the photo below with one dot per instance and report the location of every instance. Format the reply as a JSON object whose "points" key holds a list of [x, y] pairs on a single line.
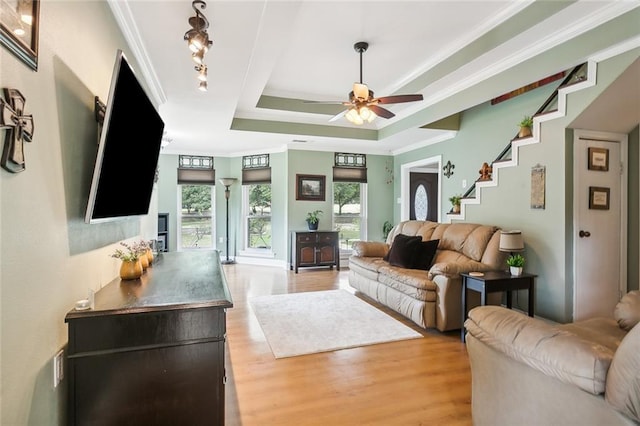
{"points": [[579, 78]]}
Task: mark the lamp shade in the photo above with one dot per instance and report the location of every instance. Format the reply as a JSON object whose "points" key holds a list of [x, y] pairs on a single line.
{"points": [[227, 181], [511, 241]]}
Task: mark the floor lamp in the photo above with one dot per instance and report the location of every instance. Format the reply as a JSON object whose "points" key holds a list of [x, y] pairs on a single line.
{"points": [[227, 182]]}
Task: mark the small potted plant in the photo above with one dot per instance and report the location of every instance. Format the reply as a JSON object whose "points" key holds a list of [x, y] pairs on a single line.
{"points": [[516, 263], [525, 127], [386, 228], [455, 203], [312, 219]]}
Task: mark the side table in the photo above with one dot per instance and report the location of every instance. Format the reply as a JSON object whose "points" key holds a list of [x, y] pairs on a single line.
{"points": [[495, 281]]}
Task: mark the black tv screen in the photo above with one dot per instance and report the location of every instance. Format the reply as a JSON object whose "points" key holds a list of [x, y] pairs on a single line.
{"points": [[128, 150]]}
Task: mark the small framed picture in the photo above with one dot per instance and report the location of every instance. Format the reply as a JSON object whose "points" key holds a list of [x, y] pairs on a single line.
{"points": [[598, 198], [599, 159], [310, 187]]}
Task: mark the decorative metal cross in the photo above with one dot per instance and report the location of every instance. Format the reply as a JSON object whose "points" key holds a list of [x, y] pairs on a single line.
{"points": [[19, 130]]}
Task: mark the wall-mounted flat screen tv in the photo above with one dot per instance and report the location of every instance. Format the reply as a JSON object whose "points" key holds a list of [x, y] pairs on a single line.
{"points": [[128, 150]]}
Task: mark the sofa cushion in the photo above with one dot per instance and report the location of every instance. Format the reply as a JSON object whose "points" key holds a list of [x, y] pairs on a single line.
{"points": [[627, 311], [411, 284], [403, 251], [623, 380], [426, 251], [368, 263]]}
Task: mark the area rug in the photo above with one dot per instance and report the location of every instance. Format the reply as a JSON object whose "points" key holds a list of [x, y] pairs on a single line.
{"points": [[320, 321]]}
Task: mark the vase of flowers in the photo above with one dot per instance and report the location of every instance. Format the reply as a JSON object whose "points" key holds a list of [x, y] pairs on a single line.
{"points": [[142, 247], [131, 267]]}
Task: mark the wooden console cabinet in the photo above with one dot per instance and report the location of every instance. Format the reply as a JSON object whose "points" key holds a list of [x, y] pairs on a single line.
{"points": [[151, 352], [314, 248]]}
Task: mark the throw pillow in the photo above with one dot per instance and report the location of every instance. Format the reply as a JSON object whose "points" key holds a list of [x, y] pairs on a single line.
{"points": [[627, 311], [425, 253], [402, 252]]}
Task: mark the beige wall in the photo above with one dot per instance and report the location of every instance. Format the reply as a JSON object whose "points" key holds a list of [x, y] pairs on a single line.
{"points": [[48, 256]]}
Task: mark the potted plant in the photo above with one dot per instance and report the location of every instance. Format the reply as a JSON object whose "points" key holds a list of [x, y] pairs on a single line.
{"points": [[386, 228], [312, 219], [516, 263], [455, 203], [525, 127]]}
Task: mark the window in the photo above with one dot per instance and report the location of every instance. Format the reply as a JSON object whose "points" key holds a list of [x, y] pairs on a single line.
{"points": [[257, 213], [349, 198], [195, 220], [349, 212]]}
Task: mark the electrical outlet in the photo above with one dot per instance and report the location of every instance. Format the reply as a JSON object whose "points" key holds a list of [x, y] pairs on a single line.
{"points": [[58, 368], [221, 240], [464, 183]]}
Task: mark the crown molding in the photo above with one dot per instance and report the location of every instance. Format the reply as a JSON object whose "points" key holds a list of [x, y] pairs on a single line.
{"points": [[124, 18]]}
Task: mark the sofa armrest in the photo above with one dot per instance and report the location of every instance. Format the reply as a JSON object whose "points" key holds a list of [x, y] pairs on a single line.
{"points": [[370, 249], [542, 346], [454, 269]]}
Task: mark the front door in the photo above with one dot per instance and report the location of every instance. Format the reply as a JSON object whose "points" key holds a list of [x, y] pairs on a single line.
{"points": [[423, 196], [599, 225]]}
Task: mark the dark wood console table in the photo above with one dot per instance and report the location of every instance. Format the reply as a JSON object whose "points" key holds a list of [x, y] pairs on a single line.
{"points": [[151, 352], [314, 248]]}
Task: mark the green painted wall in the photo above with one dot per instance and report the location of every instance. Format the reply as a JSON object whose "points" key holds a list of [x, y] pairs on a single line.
{"points": [[50, 257], [287, 213], [484, 131]]}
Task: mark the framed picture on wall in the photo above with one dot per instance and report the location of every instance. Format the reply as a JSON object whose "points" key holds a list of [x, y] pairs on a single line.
{"points": [[598, 198], [310, 187], [599, 159], [19, 23]]}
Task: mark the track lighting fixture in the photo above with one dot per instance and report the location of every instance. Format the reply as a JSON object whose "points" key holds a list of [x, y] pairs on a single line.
{"points": [[202, 72], [197, 39]]}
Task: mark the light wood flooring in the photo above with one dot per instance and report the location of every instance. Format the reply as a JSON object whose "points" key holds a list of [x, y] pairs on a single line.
{"points": [[413, 382]]}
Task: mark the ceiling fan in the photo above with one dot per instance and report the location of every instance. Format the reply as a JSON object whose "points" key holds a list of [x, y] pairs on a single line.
{"points": [[363, 106]]}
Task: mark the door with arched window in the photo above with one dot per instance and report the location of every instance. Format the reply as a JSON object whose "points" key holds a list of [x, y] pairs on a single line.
{"points": [[423, 190]]}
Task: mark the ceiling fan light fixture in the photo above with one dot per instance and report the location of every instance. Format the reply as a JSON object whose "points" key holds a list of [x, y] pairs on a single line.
{"points": [[353, 116], [360, 91], [366, 114], [363, 106], [202, 86]]}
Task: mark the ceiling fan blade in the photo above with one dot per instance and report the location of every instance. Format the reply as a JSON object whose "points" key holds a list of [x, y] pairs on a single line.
{"points": [[397, 99], [338, 116], [381, 112], [360, 90], [327, 102]]}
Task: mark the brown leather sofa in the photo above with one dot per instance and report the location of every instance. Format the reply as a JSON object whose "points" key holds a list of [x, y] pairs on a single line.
{"points": [[526, 371], [430, 298]]}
